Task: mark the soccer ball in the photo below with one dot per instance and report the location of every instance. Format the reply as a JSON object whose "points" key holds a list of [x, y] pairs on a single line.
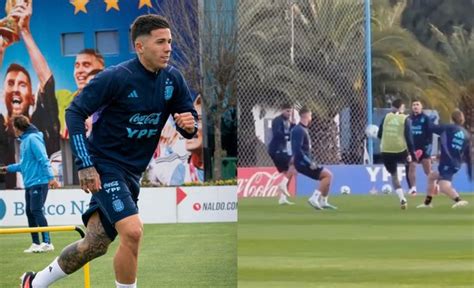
{"points": [[345, 190], [371, 131], [387, 189]]}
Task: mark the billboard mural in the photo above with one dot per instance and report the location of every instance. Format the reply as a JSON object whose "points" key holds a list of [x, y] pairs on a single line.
{"points": [[48, 52]]}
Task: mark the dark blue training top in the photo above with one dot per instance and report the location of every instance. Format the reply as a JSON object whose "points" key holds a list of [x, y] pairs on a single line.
{"points": [[301, 145], [281, 129], [132, 105], [421, 130], [455, 146]]}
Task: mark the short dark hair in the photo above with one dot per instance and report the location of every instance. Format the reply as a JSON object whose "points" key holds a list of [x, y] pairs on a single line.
{"points": [[285, 106], [304, 110], [93, 52], [457, 116], [144, 24], [19, 68], [21, 122], [397, 103]]}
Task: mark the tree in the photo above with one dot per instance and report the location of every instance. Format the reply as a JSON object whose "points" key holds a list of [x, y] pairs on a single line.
{"points": [[205, 34], [458, 49], [444, 14], [328, 62], [403, 67]]}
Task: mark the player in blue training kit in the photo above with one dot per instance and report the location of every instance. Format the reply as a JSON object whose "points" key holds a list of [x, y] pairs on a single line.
{"points": [[423, 142], [304, 163], [279, 150], [133, 101], [455, 149]]}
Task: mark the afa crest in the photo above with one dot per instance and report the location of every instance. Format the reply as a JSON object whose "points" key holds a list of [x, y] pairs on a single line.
{"points": [[169, 88]]}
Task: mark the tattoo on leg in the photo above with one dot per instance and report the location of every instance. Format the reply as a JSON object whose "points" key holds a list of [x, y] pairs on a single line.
{"points": [[77, 254]]}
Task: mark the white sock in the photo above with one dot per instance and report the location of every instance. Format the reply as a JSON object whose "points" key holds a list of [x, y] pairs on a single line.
{"points": [[323, 200], [283, 197], [316, 194], [49, 275], [133, 285], [400, 194], [283, 183]]}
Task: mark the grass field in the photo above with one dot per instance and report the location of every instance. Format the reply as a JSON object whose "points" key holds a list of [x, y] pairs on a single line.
{"points": [[369, 242], [172, 255]]}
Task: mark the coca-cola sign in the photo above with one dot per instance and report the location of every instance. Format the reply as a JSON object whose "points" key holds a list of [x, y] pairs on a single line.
{"points": [[139, 119], [259, 182]]}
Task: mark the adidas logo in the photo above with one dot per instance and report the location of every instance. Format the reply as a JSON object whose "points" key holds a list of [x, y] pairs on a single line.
{"points": [[133, 94], [459, 135]]}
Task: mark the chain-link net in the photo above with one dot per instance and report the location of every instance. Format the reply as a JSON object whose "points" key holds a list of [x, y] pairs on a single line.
{"points": [[305, 52]]}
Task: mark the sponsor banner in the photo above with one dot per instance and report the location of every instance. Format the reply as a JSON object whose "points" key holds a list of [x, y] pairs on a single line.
{"points": [[156, 205], [206, 204], [65, 206], [62, 207], [364, 179], [260, 182]]}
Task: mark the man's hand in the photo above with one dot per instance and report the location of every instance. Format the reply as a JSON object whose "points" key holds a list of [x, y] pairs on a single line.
{"points": [[3, 170], [89, 180], [23, 12], [185, 121], [53, 184]]}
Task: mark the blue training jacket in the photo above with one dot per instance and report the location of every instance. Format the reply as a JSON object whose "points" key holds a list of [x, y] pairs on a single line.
{"points": [[301, 145], [421, 130], [132, 105], [455, 146], [34, 163], [281, 131]]}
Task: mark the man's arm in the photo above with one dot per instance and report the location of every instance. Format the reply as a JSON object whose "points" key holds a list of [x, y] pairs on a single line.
{"points": [[182, 109], [380, 133], [24, 12], [39, 152], [97, 93], [297, 138], [278, 129], [438, 129], [13, 168], [467, 157], [3, 47], [409, 139]]}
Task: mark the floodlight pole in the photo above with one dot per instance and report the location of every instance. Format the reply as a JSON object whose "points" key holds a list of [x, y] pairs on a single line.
{"points": [[368, 61]]}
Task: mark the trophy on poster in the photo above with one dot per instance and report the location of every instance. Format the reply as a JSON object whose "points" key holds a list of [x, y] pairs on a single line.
{"points": [[9, 29]]}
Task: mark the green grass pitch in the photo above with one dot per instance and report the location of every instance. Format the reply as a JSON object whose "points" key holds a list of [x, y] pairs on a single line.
{"points": [[368, 243], [172, 255]]}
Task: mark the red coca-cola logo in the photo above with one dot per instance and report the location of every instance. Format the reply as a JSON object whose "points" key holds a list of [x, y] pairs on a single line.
{"points": [[258, 184]]}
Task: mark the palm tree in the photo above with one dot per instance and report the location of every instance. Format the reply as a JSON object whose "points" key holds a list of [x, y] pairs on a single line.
{"points": [[402, 67], [458, 49], [328, 61]]}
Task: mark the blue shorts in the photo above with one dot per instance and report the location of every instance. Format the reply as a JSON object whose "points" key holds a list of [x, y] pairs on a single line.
{"points": [[447, 172], [116, 200], [281, 161], [425, 152], [306, 170]]}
